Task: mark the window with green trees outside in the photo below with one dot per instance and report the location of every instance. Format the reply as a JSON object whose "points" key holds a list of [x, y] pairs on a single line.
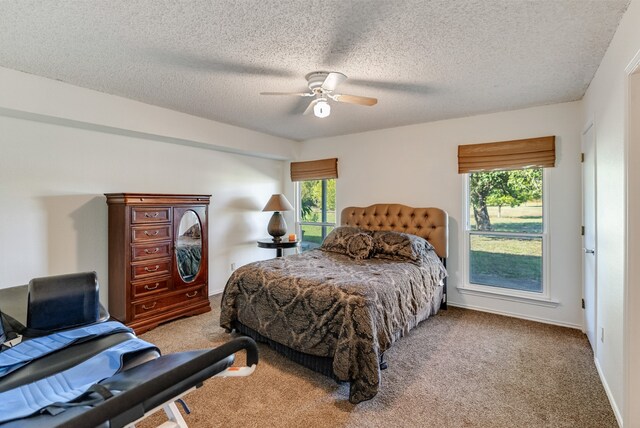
{"points": [[505, 229], [317, 211]]}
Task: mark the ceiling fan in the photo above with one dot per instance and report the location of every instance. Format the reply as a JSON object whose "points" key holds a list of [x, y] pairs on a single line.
{"points": [[322, 84]]}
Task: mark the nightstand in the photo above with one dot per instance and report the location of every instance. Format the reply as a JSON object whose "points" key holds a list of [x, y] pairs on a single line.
{"points": [[278, 246]]}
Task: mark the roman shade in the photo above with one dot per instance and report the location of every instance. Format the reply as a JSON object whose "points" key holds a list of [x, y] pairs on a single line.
{"points": [[517, 154], [314, 170]]}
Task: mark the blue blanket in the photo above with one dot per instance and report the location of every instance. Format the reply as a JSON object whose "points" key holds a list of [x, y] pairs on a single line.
{"points": [[67, 385], [20, 355]]}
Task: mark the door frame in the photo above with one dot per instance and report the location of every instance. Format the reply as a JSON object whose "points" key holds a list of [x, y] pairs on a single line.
{"points": [[631, 337], [591, 127]]}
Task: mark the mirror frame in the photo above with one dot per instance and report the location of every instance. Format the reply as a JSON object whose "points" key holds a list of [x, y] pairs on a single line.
{"points": [[201, 276]]}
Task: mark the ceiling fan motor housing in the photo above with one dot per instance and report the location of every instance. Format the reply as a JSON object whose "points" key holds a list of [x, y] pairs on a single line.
{"points": [[316, 79]]}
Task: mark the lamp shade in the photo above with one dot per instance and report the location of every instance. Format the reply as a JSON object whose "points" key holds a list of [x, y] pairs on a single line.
{"points": [[278, 202]]}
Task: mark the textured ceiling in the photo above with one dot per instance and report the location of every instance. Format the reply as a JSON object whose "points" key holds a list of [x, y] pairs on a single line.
{"points": [[423, 60]]}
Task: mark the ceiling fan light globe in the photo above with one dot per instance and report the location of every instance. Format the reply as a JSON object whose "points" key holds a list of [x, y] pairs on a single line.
{"points": [[322, 109]]}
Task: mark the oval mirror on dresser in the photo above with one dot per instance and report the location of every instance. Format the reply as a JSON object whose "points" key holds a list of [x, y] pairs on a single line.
{"points": [[189, 246]]}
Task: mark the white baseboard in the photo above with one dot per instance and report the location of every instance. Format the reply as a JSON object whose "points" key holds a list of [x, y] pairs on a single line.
{"points": [[514, 315], [215, 292], [607, 390]]}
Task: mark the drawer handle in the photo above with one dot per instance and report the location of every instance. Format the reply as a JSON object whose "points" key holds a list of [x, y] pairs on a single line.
{"points": [[195, 293], [148, 288], [155, 215], [146, 232], [150, 307], [152, 269], [148, 251]]}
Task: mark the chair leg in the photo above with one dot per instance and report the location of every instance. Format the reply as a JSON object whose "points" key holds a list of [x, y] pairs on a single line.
{"points": [[175, 418]]}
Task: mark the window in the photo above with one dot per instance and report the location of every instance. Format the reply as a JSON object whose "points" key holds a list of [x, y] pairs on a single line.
{"points": [[315, 183], [316, 206], [505, 231]]}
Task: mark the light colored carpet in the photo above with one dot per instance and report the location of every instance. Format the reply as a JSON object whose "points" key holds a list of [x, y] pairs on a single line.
{"points": [[460, 368]]}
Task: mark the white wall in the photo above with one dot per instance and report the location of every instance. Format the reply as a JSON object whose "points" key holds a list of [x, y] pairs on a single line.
{"points": [[53, 174], [605, 103], [417, 165], [633, 251], [25, 95]]}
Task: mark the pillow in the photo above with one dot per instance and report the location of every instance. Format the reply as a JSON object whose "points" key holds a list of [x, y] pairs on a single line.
{"points": [[360, 246], [400, 246], [338, 240]]}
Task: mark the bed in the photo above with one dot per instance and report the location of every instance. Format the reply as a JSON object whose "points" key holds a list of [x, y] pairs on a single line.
{"points": [[337, 312]]}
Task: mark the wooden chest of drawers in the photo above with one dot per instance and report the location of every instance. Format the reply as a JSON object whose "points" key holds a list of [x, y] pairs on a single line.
{"points": [[149, 237]]}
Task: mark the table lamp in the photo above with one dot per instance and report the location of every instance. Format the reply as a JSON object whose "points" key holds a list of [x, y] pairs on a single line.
{"points": [[277, 226]]}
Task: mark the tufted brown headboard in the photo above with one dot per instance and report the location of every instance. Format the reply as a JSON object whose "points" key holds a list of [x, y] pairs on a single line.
{"points": [[430, 223]]}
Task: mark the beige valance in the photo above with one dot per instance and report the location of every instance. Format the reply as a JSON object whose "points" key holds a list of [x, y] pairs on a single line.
{"points": [[314, 170], [517, 154]]}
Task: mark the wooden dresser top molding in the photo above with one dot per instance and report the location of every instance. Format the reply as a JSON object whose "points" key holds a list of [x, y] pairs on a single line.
{"points": [[155, 199]]}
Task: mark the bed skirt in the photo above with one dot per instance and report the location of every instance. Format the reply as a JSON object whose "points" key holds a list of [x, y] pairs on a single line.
{"points": [[322, 365]]}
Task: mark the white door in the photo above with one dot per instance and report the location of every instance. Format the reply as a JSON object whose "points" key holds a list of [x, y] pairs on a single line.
{"points": [[589, 239]]}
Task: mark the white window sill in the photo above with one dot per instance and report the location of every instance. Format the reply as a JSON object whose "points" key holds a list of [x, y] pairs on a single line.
{"points": [[502, 295]]}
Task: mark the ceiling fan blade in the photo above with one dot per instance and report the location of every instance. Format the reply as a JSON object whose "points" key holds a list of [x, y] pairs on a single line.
{"points": [[411, 87], [310, 107], [354, 99], [206, 64], [332, 81], [298, 94]]}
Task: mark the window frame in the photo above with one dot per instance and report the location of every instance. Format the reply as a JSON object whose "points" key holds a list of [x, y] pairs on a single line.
{"points": [[298, 205], [542, 298]]}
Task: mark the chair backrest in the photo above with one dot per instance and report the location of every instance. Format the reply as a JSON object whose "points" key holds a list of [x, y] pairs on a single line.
{"points": [[63, 301]]}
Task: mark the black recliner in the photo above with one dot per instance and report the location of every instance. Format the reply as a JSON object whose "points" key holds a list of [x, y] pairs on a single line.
{"points": [[146, 381]]}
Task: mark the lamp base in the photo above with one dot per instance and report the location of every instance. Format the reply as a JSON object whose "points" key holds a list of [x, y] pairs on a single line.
{"points": [[277, 227]]}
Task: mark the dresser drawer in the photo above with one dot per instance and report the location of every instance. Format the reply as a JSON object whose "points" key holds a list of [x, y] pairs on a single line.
{"points": [[150, 233], [150, 287], [154, 250], [150, 214], [167, 302], [150, 268]]}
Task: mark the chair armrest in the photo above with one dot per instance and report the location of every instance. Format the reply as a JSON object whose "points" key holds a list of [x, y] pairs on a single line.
{"points": [[150, 384]]}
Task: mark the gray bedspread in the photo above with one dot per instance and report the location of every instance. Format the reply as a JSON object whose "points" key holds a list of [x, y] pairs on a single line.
{"points": [[330, 305]]}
